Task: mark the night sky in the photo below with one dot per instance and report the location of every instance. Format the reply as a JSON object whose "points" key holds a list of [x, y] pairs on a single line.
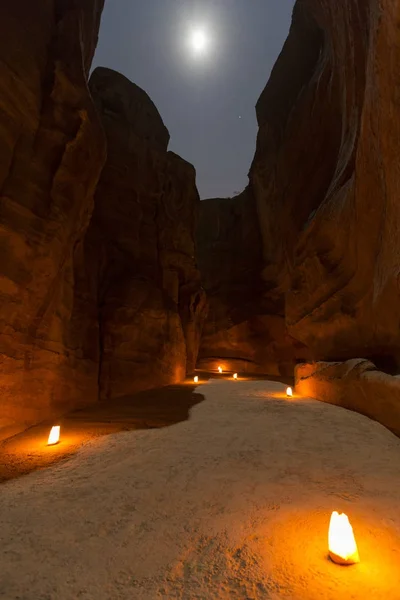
{"points": [[206, 98]]}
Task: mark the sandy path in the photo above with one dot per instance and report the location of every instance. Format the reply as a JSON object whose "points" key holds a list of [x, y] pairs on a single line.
{"points": [[232, 504]]}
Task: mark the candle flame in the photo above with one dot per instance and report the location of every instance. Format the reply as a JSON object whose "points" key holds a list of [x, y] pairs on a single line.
{"points": [[235, 376], [220, 369], [196, 379], [289, 392], [54, 436], [341, 542]]}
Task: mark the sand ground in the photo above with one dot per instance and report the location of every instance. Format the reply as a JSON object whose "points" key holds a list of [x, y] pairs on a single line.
{"points": [[233, 503]]}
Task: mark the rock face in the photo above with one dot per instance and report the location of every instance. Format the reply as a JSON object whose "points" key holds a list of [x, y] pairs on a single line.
{"points": [[245, 329], [51, 154], [356, 385], [151, 303], [106, 299], [326, 179]]}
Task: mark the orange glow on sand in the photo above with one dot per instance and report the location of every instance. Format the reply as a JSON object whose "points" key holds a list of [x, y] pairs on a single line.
{"points": [[54, 436], [342, 544]]}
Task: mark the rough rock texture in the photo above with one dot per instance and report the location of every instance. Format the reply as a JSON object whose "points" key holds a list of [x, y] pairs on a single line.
{"points": [[355, 384], [245, 330], [122, 294], [326, 179], [51, 154], [151, 304]]}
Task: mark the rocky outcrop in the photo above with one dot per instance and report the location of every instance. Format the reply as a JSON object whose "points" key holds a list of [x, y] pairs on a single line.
{"points": [[245, 329], [151, 303], [325, 179], [106, 299], [52, 151], [325, 183], [356, 385]]}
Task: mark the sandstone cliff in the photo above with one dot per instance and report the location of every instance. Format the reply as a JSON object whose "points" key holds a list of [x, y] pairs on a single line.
{"points": [[353, 384], [326, 179], [51, 154], [151, 304], [94, 303], [245, 329], [323, 201]]}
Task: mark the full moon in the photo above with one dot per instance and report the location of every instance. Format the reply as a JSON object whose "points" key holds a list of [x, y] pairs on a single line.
{"points": [[199, 41]]}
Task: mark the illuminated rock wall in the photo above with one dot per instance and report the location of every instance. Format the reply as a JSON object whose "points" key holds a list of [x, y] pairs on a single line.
{"points": [[92, 304], [52, 151], [356, 385], [326, 179]]}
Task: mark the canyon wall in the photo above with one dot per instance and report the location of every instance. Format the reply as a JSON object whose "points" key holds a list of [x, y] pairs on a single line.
{"points": [[354, 384], [100, 295], [326, 179], [95, 303], [150, 299], [52, 151], [326, 173], [245, 329]]}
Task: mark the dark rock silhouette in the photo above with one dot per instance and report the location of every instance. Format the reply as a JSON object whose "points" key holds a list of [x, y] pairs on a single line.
{"points": [[151, 303], [245, 329]]}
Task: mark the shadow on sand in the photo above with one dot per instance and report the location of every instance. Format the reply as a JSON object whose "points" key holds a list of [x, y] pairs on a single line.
{"points": [[28, 451], [153, 408]]}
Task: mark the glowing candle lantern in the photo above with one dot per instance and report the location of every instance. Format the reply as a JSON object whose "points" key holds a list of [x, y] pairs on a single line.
{"points": [[235, 376], [341, 542], [219, 369], [196, 379], [289, 392], [54, 436]]}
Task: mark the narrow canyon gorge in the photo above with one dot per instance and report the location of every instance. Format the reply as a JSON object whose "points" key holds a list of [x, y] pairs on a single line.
{"points": [[115, 278]]}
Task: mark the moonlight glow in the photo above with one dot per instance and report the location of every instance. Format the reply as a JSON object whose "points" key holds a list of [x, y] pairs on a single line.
{"points": [[199, 41]]}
